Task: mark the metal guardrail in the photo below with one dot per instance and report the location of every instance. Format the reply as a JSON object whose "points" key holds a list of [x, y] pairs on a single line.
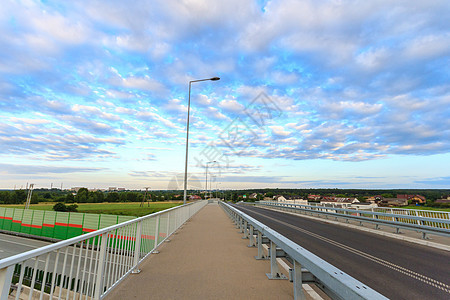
{"points": [[337, 284], [434, 214], [425, 225], [91, 265]]}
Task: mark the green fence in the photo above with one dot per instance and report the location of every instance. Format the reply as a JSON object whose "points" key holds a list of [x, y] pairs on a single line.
{"points": [[52, 224]]}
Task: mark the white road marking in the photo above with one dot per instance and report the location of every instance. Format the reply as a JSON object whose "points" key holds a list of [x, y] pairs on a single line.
{"points": [[410, 273], [22, 244]]}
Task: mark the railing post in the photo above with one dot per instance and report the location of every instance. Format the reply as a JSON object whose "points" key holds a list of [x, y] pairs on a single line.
{"points": [[167, 225], [137, 248], [260, 247], [156, 235], [298, 289], [245, 230], [101, 266], [274, 270], [251, 238], [419, 222], [6, 275]]}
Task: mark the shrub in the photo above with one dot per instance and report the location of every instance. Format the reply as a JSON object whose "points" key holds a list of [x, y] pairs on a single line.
{"points": [[62, 207], [59, 207]]}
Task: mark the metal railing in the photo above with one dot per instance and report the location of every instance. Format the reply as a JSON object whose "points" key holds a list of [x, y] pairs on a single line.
{"points": [[399, 219], [434, 214], [307, 267], [91, 265]]}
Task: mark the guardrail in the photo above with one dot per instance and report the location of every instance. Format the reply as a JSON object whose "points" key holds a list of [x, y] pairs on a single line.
{"points": [[337, 284], [425, 225], [90, 265], [399, 211]]}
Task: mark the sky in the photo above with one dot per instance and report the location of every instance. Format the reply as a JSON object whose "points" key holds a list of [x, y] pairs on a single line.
{"points": [[313, 94]]}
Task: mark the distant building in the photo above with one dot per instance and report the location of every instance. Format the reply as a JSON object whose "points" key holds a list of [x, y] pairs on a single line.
{"points": [[77, 188], [279, 198], [415, 199], [338, 201], [290, 199], [364, 205], [195, 197], [374, 199], [314, 197], [393, 202], [443, 200]]}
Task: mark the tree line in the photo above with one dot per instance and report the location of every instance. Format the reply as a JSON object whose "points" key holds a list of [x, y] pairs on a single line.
{"points": [[85, 196]]}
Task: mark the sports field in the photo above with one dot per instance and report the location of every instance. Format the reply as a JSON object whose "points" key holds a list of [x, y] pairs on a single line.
{"points": [[120, 208]]}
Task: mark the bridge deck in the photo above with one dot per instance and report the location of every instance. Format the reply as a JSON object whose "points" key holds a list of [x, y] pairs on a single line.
{"points": [[205, 259]]}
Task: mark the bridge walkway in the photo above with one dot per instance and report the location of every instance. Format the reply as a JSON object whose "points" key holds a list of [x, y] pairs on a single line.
{"points": [[205, 259]]}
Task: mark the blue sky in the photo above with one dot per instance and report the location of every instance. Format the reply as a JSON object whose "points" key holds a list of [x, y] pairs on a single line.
{"points": [[346, 94]]}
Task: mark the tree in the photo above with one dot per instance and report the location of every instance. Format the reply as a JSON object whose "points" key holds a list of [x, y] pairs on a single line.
{"points": [[19, 197], [70, 198], [82, 195], [34, 199], [131, 197], [5, 197], [59, 207], [112, 197], [62, 207], [72, 208], [99, 197]]}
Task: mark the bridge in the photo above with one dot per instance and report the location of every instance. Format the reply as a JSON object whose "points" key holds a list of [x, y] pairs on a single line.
{"points": [[196, 251]]}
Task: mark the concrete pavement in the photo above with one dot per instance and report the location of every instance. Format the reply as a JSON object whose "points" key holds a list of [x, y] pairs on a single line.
{"points": [[205, 259]]}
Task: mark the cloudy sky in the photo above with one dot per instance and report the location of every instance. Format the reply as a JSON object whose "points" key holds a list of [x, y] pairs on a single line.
{"points": [[346, 94]]}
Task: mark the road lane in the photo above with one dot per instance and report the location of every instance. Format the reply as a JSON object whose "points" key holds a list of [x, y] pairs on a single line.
{"points": [[395, 268], [11, 245]]}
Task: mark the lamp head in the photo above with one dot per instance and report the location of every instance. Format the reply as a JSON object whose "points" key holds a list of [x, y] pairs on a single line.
{"points": [[214, 79]]}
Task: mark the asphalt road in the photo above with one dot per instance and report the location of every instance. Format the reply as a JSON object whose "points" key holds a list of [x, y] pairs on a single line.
{"points": [[395, 268], [11, 245]]}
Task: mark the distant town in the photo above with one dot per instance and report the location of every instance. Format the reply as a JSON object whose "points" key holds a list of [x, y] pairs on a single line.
{"points": [[335, 197]]}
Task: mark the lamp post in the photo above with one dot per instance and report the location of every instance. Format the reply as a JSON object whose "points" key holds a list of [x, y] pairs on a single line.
{"points": [[206, 180], [210, 184], [187, 133]]}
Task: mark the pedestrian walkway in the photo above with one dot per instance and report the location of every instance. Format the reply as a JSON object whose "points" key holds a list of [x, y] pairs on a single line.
{"points": [[205, 259]]}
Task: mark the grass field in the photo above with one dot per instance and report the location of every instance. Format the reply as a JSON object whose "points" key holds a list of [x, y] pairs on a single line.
{"points": [[426, 208], [121, 208]]}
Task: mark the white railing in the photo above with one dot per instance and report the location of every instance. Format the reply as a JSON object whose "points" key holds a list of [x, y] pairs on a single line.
{"points": [[91, 265], [400, 211], [397, 218], [337, 284]]}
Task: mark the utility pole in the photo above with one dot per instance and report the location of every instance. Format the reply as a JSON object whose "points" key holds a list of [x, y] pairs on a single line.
{"points": [[30, 191], [145, 197]]}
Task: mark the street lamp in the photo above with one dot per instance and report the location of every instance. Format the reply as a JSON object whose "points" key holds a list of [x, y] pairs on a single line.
{"points": [[187, 133], [206, 180], [210, 184]]}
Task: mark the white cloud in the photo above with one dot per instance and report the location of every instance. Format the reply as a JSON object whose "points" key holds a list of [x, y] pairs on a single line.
{"points": [[143, 115], [231, 105], [176, 105], [279, 131]]}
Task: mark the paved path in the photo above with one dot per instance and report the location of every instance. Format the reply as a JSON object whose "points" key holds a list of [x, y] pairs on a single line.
{"points": [[205, 259]]}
